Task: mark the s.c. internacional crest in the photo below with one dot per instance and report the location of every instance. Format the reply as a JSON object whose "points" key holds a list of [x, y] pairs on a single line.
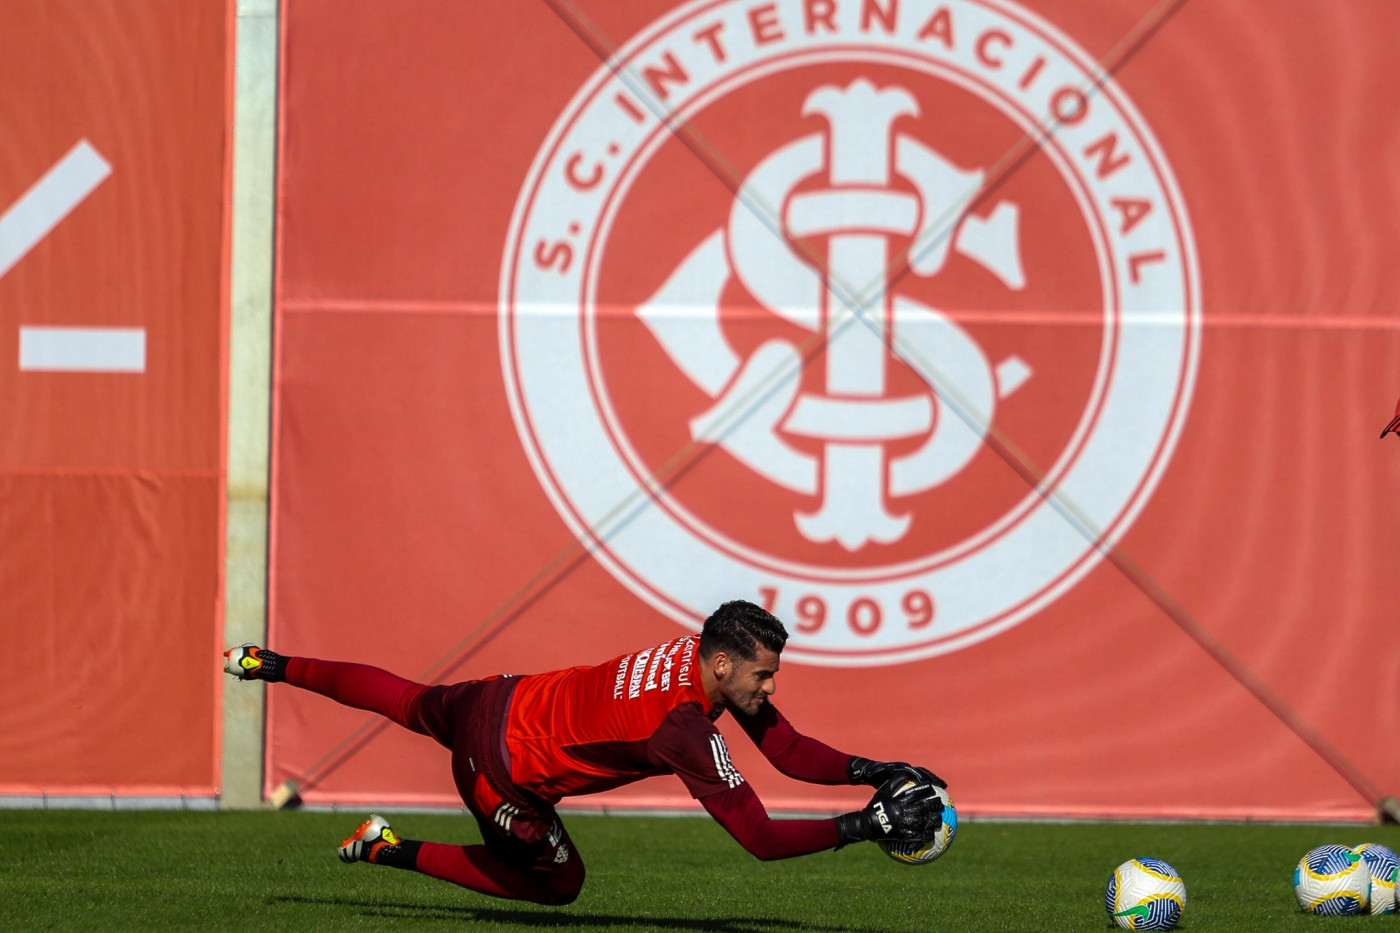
{"points": [[804, 259]]}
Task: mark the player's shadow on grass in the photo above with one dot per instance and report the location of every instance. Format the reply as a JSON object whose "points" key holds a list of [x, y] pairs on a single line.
{"points": [[546, 918]]}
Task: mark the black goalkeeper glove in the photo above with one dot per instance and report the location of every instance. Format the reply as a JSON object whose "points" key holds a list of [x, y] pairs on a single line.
{"points": [[896, 812], [875, 773]]}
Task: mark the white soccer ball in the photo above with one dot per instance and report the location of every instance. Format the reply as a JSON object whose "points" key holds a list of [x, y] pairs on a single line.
{"points": [[1332, 881], [921, 852], [1382, 864], [1145, 894]]}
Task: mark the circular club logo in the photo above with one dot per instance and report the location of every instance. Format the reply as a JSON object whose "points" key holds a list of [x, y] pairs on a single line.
{"points": [[883, 315]]}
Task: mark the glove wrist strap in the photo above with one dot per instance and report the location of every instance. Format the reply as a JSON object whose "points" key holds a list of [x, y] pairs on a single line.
{"points": [[852, 827]]}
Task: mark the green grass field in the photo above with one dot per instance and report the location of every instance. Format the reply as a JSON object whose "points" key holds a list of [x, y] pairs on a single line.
{"points": [[78, 870]]}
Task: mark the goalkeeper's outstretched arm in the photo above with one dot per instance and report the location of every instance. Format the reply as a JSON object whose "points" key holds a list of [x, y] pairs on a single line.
{"points": [[913, 815], [743, 815], [804, 758], [798, 756]]}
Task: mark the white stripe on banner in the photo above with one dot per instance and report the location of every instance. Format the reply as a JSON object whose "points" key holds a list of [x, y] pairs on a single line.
{"points": [[82, 349], [727, 772], [48, 201]]}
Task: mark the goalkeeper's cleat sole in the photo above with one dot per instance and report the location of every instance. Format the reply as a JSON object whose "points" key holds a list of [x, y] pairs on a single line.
{"points": [[249, 662], [368, 839]]}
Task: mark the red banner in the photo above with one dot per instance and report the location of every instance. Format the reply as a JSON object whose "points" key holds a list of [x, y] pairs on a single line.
{"points": [[113, 187], [1026, 358]]}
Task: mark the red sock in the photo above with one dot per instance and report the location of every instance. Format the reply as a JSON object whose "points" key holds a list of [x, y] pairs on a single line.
{"points": [[361, 686], [474, 867]]}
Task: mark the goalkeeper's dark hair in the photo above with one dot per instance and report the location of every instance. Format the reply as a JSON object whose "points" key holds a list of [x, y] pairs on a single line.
{"points": [[738, 627]]}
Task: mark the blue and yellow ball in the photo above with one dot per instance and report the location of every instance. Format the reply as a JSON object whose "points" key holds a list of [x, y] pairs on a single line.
{"points": [[1145, 894]]}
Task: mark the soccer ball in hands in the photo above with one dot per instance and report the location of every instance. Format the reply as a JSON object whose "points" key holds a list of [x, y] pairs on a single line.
{"points": [[1332, 881], [923, 851], [1145, 894], [1382, 864]]}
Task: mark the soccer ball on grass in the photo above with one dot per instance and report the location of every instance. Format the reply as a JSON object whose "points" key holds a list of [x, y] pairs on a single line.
{"points": [[1145, 894], [1382, 864], [1332, 881]]}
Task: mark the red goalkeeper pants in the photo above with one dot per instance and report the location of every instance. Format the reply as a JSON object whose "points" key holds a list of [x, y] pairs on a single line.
{"points": [[527, 854]]}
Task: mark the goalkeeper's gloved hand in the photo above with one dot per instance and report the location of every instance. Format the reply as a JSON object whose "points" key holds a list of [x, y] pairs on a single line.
{"points": [[875, 773], [916, 813]]}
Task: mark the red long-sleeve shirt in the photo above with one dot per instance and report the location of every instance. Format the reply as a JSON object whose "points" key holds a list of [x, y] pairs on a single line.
{"points": [[586, 729]]}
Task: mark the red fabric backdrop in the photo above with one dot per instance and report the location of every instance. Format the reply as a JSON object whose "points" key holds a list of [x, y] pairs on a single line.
{"points": [[111, 482], [433, 222]]}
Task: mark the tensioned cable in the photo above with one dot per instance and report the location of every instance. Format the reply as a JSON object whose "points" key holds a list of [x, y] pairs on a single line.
{"points": [[859, 305]]}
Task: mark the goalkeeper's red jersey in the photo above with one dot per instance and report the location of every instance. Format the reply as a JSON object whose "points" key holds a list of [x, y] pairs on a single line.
{"points": [[585, 729]]}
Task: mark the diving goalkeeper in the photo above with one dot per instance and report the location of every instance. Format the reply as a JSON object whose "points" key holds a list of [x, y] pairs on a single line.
{"points": [[521, 743]]}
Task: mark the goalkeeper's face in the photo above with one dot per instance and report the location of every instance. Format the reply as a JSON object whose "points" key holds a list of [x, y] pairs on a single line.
{"points": [[747, 685]]}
